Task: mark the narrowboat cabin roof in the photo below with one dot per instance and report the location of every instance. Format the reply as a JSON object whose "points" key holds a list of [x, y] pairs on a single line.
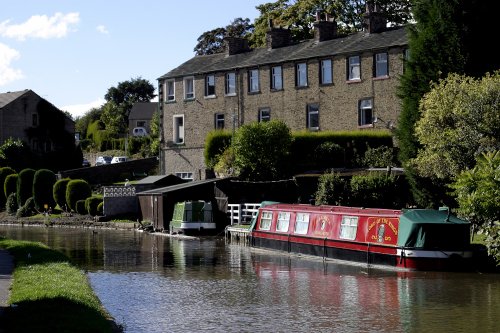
{"points": [[335, 209]]}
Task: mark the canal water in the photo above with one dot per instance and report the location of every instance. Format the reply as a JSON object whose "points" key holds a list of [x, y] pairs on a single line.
{"points": [[151, 283]]}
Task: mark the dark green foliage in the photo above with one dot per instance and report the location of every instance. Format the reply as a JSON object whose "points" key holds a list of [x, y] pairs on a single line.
{"points": [[140, 145], [379, 157], [15, 154], [215, 144], [80, 207], [43, 183], [10, 185], [100, 208], [77, 189], [25, 186], [28, 209], [91, 205], [11, 205], [59, 193], [332, 189], [375, 191], [4, 172], [329, 154], [82, 123]]}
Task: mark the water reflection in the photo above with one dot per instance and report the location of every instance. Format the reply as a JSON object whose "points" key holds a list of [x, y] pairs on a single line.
{"points": [[159, 284]]}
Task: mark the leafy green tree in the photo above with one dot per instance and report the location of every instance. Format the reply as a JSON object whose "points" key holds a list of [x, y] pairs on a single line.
{"points": [[155, 128], [16, 154], [212, 41], [113, 118], [82, 123], [25, 186], [43, 183], [261, 150]]}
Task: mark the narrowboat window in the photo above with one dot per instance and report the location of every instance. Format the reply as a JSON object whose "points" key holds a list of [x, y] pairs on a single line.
{"points": [[283, 222], [265, 220], [301, 223], [348, 227]]}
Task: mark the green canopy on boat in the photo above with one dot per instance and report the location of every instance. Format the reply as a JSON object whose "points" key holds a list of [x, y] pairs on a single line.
{"points": [[433, 229]]}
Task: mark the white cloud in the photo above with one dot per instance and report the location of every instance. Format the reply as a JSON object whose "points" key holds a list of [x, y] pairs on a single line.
{"points": [[7, 73], [79, 110], [102, 29], [40, 26]]}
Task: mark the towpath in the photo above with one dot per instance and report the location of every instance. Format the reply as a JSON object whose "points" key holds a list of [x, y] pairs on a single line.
{"points": [[6, 267]]}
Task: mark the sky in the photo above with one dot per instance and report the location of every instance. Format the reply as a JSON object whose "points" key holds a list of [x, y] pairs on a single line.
{"points": [[70, 52]]}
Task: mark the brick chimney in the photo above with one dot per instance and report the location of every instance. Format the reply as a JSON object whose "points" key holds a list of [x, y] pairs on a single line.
{"points": [[235, 45], [324, 29], [277, 37], [375, 21]]}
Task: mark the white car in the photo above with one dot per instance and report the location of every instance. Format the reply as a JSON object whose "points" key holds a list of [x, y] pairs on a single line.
{"points": [[119, 159], [100, 160], [139, 131]]}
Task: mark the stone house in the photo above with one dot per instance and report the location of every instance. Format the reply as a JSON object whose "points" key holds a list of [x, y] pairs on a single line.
{"points": [[331, 82], [141, 115], [26, 116]]}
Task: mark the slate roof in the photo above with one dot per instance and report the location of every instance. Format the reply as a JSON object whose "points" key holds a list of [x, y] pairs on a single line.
{"points": [[351, 44], [143, 110], [8, 97]]}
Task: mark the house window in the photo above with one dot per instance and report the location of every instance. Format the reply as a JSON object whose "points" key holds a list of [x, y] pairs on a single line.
{"points": [[276, 78], [210, 85], [219, 121], [185, 175], [231, 84], [354, 68], [283, 222], [365, 112], [253, 80], [264, 114], [301, 75], [348, 227], [189, 87], [140, 123], [301, 223], [178, 130], [326, 72], [313, 117], [381, 68], [34, 119], [265, 220], [170, 91]]}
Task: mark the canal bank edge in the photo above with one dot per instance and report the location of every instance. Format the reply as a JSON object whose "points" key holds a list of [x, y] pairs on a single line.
{"points": [[6, 269]]}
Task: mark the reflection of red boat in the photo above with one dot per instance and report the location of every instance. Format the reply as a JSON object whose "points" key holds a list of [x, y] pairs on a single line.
{"points": [[414, 239]]}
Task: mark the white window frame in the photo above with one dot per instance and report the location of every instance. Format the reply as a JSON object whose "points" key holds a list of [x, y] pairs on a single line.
{"points": [[348, 227], [264, 117], [301, 74], [169, 93], [185, 175], [231, 84], [266, 219], [189, 88], [312, 111], [210, 84], [178, 130], [301, 223], [354, 68], [326, 71], [381, 64], [219, 119], [253, 81], [365, 112], [283, 221], [277, 78]]}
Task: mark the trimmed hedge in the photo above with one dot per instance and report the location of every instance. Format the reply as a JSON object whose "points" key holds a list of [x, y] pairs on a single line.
{"points": [[77, 189], [100, 208], [25, 186], [59, 193], [80, 207], [10, 185], [216, 143], [11, 206], [43, 183], [91, 205], [4, 172], [28, 209]]}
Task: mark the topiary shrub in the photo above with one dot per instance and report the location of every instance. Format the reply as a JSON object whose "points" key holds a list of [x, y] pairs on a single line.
{"points": [[28, 209], [10, 185], [4, 172], [25, 186], [43, 183], [91, 204], [59, 193], [100, 208], [11, 206], [332, 189], [80, 207], [77, 189]]}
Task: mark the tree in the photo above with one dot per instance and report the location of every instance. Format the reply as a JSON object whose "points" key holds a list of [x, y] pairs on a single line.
{"points": [[127, 93], [460, 120], [211, 42], [16, 154], [82, 123], [113, 119], [261, 150]]}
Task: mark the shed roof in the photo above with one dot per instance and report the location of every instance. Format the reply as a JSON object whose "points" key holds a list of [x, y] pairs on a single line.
{"points": [[167, 189]]}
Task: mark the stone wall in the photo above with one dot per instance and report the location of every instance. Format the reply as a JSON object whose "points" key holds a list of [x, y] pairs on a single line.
{"points": [[120, 200]]}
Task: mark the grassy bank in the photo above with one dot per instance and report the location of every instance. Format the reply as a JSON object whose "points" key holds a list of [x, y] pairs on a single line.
{"points": [[49, 294]]}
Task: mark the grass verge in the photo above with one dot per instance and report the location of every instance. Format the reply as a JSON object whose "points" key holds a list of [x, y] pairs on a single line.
{"points": [[48, 294]]}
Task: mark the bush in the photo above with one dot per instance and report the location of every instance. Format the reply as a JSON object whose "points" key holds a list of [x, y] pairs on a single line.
{"points": [[91, 205], [80, 207], [379, 157], [11, 205], [332, 189], [59, 193], [4, 172], [329, 154], [374, 190], [25, 186], [77, 189], [10, 185], [43, 183], [100, 208], [216, 143], [225, 164], [28, 209]]}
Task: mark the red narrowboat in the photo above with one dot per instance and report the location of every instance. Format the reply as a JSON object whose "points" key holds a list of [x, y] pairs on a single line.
{"points": [[412, 239]]}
